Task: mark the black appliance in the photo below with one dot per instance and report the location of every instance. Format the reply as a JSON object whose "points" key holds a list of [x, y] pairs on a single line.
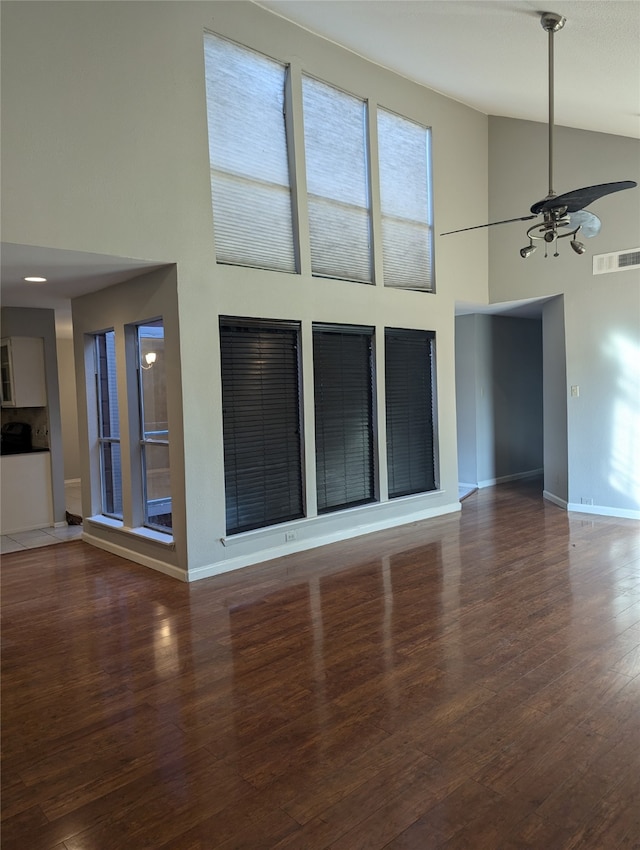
{"points": [[15, 438]]}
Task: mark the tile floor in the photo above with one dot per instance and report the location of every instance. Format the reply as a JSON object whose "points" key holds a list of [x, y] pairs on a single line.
{"points": [[46, 536]]}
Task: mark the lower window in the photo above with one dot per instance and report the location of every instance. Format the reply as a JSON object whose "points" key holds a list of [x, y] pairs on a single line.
{"points": [[343, 383], [108, 417], [154, 427], [409, 404], [261, 423]]}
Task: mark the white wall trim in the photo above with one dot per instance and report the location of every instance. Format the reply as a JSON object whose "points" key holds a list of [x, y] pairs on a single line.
{"points": [[136, 557], [598, 510], [30, 527], [604, 510], [551, 497], [289, 548], [490, 482]]}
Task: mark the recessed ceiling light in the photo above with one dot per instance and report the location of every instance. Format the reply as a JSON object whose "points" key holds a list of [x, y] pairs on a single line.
{"points": [[35, 279]]}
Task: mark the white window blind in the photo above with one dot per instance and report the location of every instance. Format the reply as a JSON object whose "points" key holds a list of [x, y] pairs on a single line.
{"points": [[405, 201], [250, 186], [337, 183]]}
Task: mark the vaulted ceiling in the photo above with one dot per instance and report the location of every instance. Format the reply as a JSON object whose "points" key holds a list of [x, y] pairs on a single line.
{"points": [[492, 54], [488, 54]]}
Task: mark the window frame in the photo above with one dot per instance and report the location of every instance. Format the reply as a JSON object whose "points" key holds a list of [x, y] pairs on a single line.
{"points": [[107, 441], [143, 441]]}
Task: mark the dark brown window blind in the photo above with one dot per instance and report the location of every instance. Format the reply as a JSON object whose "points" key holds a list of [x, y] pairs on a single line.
{"points": [[261, 423], [343, 379], [409, 404]]}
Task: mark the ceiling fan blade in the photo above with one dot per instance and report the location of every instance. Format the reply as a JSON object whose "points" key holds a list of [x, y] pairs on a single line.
{"points": [[588, 223], [490, 224], [578, 199]]}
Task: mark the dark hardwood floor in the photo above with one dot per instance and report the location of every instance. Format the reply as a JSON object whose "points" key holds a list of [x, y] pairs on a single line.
{"points": [[471, 681]]}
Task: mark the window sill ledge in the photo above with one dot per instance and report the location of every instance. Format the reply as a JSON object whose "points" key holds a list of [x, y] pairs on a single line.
{"points": [[356, 513], [140, 532]]}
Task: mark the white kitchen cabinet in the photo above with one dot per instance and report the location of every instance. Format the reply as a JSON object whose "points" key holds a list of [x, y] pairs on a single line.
{"points": [[22, 366], [27, 500]]}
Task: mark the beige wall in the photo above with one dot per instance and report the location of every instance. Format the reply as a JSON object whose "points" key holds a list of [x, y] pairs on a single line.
{"points": [[123, 169], [68, 408], [599, 332], [148, 297]]}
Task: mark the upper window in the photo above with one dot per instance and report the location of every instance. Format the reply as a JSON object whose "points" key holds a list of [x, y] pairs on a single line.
{"points": [[337, 183], [257, 180], [248, 156], [405, 202], [108, 424]]}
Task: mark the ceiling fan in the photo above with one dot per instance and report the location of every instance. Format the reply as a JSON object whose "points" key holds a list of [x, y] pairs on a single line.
{"points": [[562, 215]]}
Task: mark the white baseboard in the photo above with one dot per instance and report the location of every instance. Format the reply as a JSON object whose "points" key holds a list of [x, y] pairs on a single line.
{"points": [[597, 510], [136, 557], [29, 527], [491, 482], [551, 497], [603, 510], [251, 558]]}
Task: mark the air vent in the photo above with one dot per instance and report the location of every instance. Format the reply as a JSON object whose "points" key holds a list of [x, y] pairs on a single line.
{"points": [[619, 261]]}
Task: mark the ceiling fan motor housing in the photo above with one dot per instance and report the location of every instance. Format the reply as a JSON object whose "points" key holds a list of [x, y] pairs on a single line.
{"points": [[552, 22]]}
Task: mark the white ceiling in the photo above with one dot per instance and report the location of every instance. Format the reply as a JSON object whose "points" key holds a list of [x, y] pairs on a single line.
{"points": [[492, 54], [68, 274], [488, 54]]}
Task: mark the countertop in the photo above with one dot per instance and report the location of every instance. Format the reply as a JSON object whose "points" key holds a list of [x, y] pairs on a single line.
{"points": [[10, 450]]}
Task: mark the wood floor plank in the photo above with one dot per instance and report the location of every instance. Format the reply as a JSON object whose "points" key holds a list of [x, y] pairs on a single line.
{"points": [[584, 799], [470, 681]]}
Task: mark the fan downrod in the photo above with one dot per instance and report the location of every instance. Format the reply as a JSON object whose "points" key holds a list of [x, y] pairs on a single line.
{"points": [[551, 22]]}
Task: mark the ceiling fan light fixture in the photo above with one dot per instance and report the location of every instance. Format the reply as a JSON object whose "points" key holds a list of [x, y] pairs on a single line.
{"points": [[578, 247], [568, 209]]}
